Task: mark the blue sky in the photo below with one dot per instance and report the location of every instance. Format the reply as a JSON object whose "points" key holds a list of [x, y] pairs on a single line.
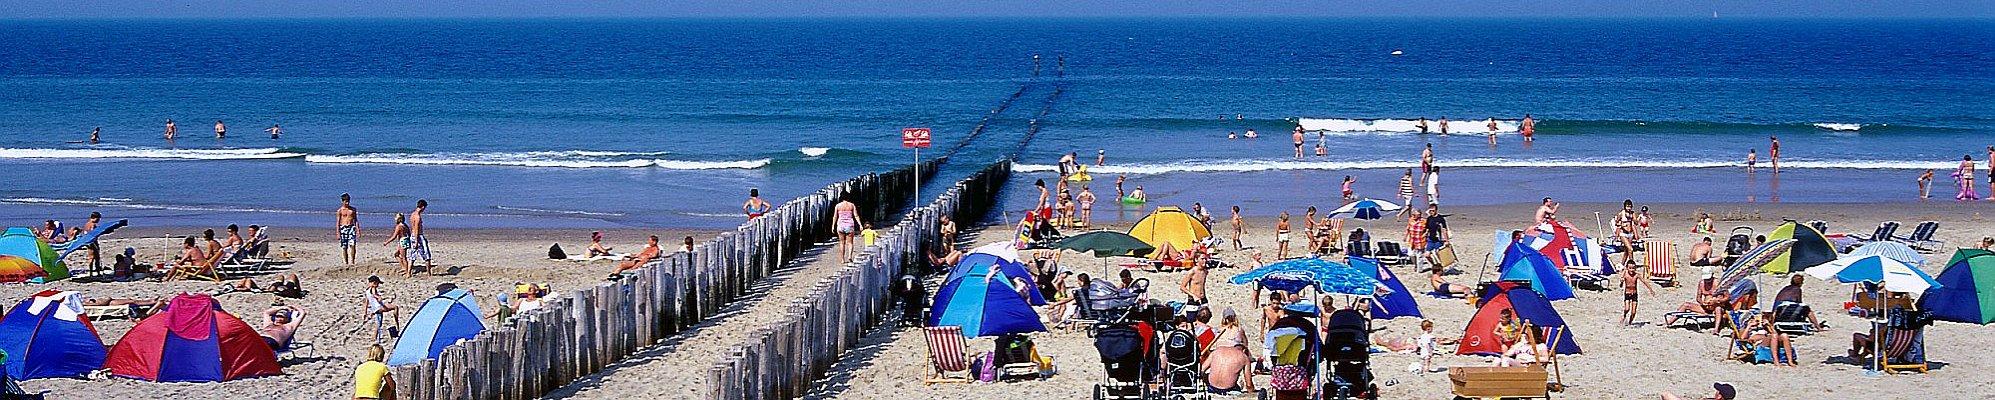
{"points": [[986, 8]]}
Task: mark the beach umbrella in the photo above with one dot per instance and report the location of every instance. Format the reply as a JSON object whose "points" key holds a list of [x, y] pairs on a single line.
{"points": [[1752, 261], [1969, 291], [1294, 275], [1396, 301], [1170, 226], [16, 269], [1567, 247], [1367, 209], [1892, 250], [984, 304], [1106, 244], [21, 242], [1897, 276]]}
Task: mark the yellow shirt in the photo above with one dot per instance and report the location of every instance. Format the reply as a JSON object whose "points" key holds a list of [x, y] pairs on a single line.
{"points": [[870, 235], [367, 379]]}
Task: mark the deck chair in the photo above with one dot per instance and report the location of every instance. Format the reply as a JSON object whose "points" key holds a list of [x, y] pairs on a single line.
{"points": [[945, 356], [1390, 253], [1692, 321], [1904, 350], [1360, 243], [197, 271], [1922, 237], [1444, 257], [1792, 318], [1884, 232], [1661, 260]]}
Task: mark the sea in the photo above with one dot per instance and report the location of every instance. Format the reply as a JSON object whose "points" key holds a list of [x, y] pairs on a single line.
{"points": [[635, 123]]}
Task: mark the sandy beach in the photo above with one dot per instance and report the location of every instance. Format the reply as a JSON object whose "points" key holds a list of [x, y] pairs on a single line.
{"points": [[487, 261], [1618, 362]]}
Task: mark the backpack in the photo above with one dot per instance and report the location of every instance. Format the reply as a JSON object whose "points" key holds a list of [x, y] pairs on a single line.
{"points": [[987, 369], [555, 253]]}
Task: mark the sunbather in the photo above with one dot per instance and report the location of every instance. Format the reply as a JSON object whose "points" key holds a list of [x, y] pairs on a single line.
{"points": [[1525, 352], [1443, 287], [1719, 391], [1769, 345], [1228, 360], [257, 244], [191, 256], [949, 257], [286, 285], [1701, 254], [650, 252], [1708, 302], [596, 247], [280, 322]]}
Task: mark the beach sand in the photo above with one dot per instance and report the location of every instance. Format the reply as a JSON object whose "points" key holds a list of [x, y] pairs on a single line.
{"points": [[487, 261], [1618, 362]]}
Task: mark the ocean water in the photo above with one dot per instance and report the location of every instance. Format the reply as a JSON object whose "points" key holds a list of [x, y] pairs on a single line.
{"points": [[636, 123]]}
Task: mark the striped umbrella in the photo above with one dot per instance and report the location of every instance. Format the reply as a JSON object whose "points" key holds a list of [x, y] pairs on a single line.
{"points": [[1897, 276], [1367, 209], [1751, 262], [1888, 249]]}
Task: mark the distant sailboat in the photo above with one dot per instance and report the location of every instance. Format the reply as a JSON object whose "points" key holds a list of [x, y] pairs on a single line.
{"points": [[1398, 53], [1714, 14]]}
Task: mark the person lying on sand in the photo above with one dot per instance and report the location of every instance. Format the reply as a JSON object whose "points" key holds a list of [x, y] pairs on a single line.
{"points": [[141, 308], [280, 322], [1443, 287], [1719, 391], [948, 258], [650, 252], [285, 286]]}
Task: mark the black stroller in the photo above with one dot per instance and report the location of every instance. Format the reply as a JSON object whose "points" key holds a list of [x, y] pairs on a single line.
{"points": [[1346, 353], [1183, 379], [1737, 245], [913, 298], [1122, 351]]}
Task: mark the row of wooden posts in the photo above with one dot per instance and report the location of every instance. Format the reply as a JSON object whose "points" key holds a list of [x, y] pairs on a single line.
{"points": [[780, 360], [582, 332]]}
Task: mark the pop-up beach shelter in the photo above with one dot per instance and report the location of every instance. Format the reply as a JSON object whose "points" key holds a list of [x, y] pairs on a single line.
{"points": [[193, 340], [1967, 293], [1170, 225], [1481, 338], [49, 336], [1399, 302], [983, 304], [1523, 264], [1001, 257], [442, 320], [1810, 249], [21, 242]]}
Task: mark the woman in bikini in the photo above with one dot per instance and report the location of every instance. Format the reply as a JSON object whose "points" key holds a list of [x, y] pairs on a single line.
{"points": [[403, 242]]}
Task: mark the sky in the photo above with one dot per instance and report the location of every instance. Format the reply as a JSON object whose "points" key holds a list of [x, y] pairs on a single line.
{"points": [[86, 9]]}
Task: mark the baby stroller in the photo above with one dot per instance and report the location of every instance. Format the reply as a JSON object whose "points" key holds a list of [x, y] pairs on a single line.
{"points": [[913, 298], [1183, 379], [1122, 347], [1740, 243], [1345, 350]]}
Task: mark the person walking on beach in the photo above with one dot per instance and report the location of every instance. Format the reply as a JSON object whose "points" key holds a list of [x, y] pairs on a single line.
{"points": [[847, 226], [402, 242], [1281, 236], [420, 240], [275, 131], [1925, 183], [1434, 185], [755, 207], [1298, 142], [1773, 153], [170, 129], [1632, 279], [1427, 158], [346, 225], [1528, 127], [221, 131], [1239, 227], [93, 134], [1406, 187]]}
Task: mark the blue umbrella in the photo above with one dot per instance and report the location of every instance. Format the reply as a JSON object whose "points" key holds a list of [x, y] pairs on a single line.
{"points": [[1327, 276], [1897, 276], [1367, 209], [1892, 250], [983, 305]]}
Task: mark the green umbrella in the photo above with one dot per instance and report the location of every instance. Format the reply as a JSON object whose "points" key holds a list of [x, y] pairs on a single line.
{"points": [[1106, 244]]}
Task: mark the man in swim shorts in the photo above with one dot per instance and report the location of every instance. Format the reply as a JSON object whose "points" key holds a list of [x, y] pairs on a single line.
{"points": [[280, 322], [347, 226], [419, 244], [1298, 142]]}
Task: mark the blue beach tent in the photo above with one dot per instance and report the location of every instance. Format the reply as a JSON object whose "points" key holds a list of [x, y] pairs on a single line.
{"points": [[1521, 263], [983, 304], [1000, 257], [442, 320], [49, 336], [1398, 303]]}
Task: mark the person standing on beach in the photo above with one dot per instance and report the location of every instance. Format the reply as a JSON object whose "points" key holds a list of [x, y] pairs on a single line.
{"points": [[1422, 123], [275, 131], [1119, 194], [1100, 157], [1281, 236], [421, 242], [1547, 211], [221, 131], [1298, 142], [1925, 183], [847, 223], [1086, 198], [1492, 131], [1965, 175], [1239, 227], [1752, 159], [93, 134], [346, 225], [1434, 185], [170, 129], [1773, 153], [755, 207], [90, 225], [1416, 238], [1528, 127], [402, 242], [1406, 187]]}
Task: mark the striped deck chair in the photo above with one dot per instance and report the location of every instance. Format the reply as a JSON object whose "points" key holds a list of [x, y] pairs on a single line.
{"points": [[1662, 263], [946, 356], [1904, 350]]}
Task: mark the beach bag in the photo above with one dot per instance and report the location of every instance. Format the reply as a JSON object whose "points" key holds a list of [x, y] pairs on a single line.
{"points": [[1288, 377], [555, 253], [986, 367]]}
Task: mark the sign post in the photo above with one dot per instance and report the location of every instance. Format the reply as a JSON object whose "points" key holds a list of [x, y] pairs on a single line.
{"points": [[917, 139]]}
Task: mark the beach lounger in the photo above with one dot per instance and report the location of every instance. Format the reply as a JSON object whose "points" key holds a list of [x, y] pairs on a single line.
{"points": [[1662, 264], [1390, 253], [946, 356], [1792, 318], [99, 313], [1695, 322], [1358, 244], [1884, 232], [1922, 237]]}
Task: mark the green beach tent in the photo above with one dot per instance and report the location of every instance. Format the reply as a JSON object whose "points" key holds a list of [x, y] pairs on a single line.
{"points": [[21, 242], [1967, 291], [1810, 249]]}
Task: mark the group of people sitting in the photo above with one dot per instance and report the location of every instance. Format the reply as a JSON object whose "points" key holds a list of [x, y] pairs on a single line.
{"points": [[201, 260]]}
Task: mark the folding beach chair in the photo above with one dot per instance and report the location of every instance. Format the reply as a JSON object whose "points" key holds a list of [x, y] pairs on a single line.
{"points": [[1792, 318], [1692, 321], [1922, 237], [1884, 232], [1444, 257], [1904, 350], [945, 356], [197, 271], [1661, 260]]}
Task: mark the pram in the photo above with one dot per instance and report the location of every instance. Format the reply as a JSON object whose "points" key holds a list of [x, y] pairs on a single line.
{"points": [[1346, 352], [1740, 243], [913, 298], [1183, 379], [1122, 346]]}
